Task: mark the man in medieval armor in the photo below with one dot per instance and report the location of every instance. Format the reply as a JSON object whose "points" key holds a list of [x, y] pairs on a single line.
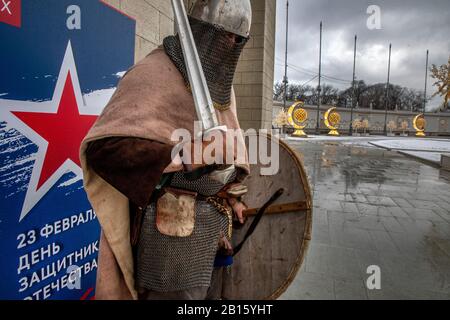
{"points": [[167, 224]]}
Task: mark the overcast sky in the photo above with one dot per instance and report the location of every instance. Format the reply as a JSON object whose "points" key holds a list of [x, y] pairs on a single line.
{"points": [[412, 26]]}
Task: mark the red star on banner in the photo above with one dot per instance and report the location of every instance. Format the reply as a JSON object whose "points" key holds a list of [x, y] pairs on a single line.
{"points": [[11, 12], [56, 127], [64, 131]]}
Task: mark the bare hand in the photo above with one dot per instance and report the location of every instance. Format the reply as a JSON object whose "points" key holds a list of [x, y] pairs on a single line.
{"points": [[238, 208], [217, 154]]}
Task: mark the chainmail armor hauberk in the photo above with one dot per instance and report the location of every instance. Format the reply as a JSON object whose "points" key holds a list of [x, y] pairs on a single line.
{"points": [[167, 264]]}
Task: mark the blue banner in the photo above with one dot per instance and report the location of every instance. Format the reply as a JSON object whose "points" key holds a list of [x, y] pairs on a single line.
{"points": [[60, 63]]}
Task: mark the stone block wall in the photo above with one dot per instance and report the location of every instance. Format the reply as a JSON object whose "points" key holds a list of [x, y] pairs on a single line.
{"points": [[254, 76], [154, 21]]}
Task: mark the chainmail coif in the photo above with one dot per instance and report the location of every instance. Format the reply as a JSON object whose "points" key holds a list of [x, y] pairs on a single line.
{"points": [[218, 55]]}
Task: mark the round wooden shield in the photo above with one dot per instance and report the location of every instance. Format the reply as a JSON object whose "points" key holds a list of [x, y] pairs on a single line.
{"points": [[270, 259]]}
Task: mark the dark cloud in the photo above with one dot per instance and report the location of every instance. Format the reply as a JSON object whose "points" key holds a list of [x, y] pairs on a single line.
{"points": [[412, 26]]}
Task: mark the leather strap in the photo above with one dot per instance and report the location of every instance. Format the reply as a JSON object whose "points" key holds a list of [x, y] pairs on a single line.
{"points": [[280, 208], [256, 220], [135, 232]]}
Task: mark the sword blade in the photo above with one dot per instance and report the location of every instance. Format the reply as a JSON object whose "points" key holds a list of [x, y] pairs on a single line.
{"points": [[199, 87]]}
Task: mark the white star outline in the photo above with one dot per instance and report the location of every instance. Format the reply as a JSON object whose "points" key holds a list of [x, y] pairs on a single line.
{"points": [[33, 195]]}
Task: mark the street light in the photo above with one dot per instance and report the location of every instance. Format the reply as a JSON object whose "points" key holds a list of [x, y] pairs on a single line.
{"points": [[319, 89], [285, 79], [387, 91], [353, 85]]}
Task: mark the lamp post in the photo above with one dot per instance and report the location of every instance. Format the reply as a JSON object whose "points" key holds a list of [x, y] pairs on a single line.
{"points": [[387, 92], [285, 80], [426, 83], [319, 89], [353, 85]]}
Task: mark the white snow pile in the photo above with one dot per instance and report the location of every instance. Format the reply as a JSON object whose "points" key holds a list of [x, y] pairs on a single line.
{"points": [[433, 157], [427, 145], [430, 150]]}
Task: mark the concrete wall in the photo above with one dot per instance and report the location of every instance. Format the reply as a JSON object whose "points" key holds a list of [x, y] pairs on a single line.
{"points": [[437, 123], [154, 21], [254, 76]]}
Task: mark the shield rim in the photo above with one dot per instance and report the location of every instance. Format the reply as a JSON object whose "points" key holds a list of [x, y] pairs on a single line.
{"points": [[308, 218]]}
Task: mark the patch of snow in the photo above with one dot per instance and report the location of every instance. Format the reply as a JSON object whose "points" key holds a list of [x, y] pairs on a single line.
{"points": [[343, 139], [426, 145], [434, 157], [3, 94]]}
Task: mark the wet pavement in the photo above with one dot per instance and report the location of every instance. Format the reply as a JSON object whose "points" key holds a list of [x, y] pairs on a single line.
{"points": [[374, 207]]}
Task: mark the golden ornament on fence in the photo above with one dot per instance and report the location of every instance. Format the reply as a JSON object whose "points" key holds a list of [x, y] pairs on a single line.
{"points": [[332, 119], [419, 124], [297, 117]]}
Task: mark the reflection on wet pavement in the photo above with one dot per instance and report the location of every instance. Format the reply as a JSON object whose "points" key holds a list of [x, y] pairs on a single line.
{"points": [[374, 207]]}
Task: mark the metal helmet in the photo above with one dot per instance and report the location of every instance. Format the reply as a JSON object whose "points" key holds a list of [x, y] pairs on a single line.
{"points": [[234, 16]]}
